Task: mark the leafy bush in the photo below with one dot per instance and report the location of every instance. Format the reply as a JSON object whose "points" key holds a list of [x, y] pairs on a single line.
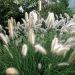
{"points": [[9, 8], [60, 7]]}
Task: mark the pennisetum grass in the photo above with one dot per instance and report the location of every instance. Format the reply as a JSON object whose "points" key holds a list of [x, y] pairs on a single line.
{"points": [[48, 55]]}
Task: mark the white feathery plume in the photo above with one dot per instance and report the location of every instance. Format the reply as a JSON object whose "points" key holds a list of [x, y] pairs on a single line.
{"points": [[63, 64], [54, 43], [26, 23], [40, 5], [1, 28], [56, 16], [16, 2], [70, 28], [71, 58], [39, 48], [68, 25], [21, 9], [70, 41], [67, 16], [7, 38], [58, 1], [58, 23], [33, 17], [12, 71], [11, 27], [61, 17], [3, 38], [31, 36], [63, 50], [39, 66], [24, 50], [50, 20], [26, 17], [72, 20], [72, 31], [59, 49]]}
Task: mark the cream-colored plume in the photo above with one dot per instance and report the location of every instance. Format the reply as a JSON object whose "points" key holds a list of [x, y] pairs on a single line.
{"points": [[40, 5], [33, 17], [39, 66], [31, 36], [39, 48], [11, 27], [50, 20], [69, 28], [70, 41], [58, 48], [71, 58], [4, 38], [63, 64], [67, 16], [54, 43], [24, 50], [12, 71], [26, 16], [7, 37]]}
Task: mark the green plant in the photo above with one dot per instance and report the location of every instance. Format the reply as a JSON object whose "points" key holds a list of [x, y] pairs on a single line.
{"points": [[29, 64], [57, 7], [49, 53]]}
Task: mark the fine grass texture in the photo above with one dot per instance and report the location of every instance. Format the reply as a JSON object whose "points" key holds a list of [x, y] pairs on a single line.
{"points": [[34, 48], [29, 65]]}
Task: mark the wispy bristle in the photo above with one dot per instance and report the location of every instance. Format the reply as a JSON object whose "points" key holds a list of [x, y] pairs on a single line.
{"points": [[4, 39], [72, 58], [40, 5], [24, 50], [12, 71], [63, 64], [31, 37], [10, 26], [58, 48], [39, 48]]}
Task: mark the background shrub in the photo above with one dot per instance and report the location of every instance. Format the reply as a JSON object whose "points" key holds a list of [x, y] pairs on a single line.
{"points": [[9, 8]]}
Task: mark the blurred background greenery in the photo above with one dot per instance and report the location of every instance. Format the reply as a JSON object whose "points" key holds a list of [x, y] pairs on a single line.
{"points": [[10, 8]]}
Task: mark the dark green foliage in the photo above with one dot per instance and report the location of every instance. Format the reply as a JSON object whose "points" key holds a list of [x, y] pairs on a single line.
{"points": [[30, 5], [9, 9], [57, 8]]}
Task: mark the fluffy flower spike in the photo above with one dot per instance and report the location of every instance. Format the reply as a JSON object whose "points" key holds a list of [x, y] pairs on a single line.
{"points": [[58, 48], [39, 48], [24, 50], [12, 71], [11, 27], [31, 37]]}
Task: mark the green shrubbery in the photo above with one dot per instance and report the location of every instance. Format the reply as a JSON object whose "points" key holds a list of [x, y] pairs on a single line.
{"points": [[60, 7], [9, 8]]}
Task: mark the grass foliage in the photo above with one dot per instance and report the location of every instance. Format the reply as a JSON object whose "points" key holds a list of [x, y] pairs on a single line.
{"points": [[29, 65]]}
